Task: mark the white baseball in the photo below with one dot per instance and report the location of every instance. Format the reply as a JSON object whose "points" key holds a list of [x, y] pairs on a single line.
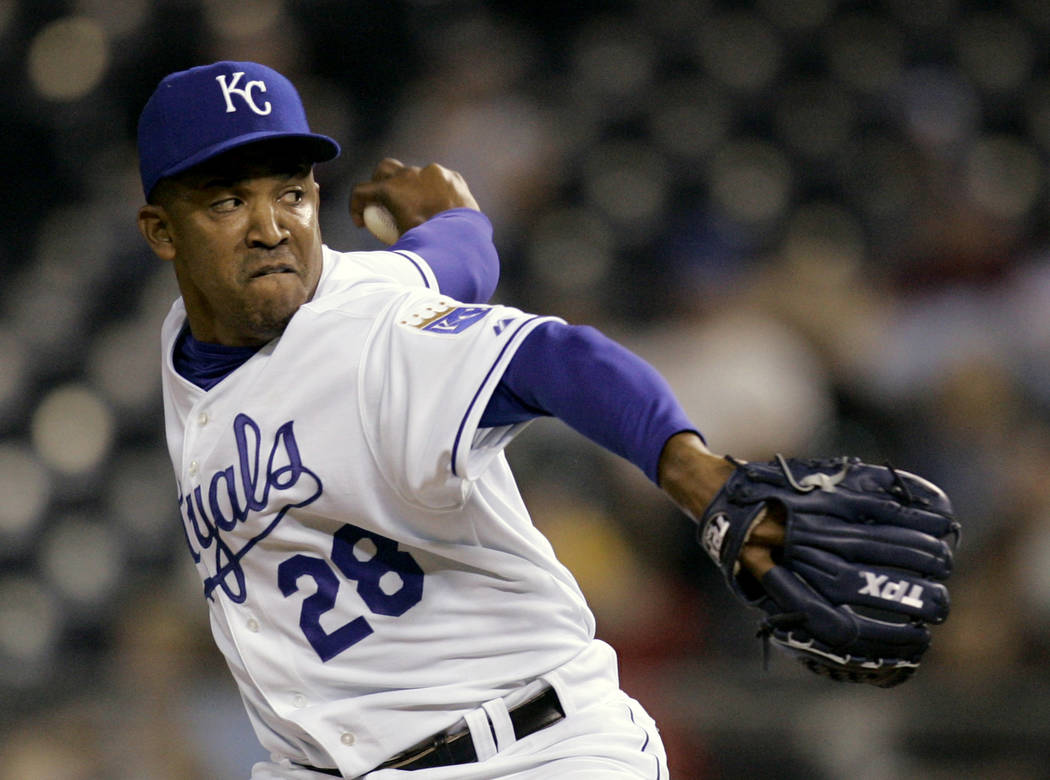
{"points": [[380, 223]]}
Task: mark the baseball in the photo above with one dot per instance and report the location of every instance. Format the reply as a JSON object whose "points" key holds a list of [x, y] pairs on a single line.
{"points": [[380, 223]]}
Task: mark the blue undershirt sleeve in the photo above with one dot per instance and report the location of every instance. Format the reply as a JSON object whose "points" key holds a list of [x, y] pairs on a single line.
{"points": [[596, 386], [457, 245]]}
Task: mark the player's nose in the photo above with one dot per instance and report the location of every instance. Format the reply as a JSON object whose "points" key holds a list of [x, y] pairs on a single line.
{"points": [[265, 228]]}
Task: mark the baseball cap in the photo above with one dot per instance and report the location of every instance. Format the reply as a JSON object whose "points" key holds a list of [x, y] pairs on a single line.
{"points": [[202, 112]]}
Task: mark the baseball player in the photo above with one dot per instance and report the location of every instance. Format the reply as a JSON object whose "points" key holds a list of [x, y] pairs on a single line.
{"points": [[336, 422]]}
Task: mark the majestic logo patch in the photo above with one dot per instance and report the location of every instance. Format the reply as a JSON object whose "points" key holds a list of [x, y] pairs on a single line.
{"points": [[222, 516], [714, 535], [228, 90], [880, 586]]}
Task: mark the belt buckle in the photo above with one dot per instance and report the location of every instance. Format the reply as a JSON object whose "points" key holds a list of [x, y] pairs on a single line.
{"points": [[425, 748]]}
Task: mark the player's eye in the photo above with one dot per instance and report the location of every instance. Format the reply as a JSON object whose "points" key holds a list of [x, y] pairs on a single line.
{"points": [[293, 197], [225, 205]]}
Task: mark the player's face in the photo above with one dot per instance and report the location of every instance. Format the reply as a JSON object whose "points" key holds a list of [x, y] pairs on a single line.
{"points": [[244, 237]]}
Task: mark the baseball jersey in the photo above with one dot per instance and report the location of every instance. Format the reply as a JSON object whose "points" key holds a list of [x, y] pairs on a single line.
{"points": [[370, 569]]}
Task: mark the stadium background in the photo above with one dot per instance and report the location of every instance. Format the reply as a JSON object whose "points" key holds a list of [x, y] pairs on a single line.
{"points": [[825, 221]]}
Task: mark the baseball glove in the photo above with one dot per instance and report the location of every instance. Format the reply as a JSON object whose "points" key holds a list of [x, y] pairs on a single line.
{"points": [[860, 574]]}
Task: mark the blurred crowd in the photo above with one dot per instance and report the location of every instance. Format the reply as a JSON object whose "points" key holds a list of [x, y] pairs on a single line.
{"points": [[824, 221]]}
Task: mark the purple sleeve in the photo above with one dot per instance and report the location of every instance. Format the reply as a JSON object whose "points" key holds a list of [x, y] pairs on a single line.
{"points": [[594, 385], [457, 245]]}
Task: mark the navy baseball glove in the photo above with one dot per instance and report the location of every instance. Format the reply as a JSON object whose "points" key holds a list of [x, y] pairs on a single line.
{"points": [[860, 575]]}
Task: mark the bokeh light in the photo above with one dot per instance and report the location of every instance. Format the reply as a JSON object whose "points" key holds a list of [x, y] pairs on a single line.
{"points": [[30, 624], [815, 118], [865, 51], [570, 249], [119, 18], [244, 19], [752, 181], [689, 117], [73, 429], [81, 558], [629, 183], [1005, 176], [14, 378], [741, 50], [996, 51], [68, 58], [797, 15], [26, 488]]}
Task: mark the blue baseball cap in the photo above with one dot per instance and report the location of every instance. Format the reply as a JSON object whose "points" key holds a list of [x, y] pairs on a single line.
{"points": [[202, 112]]}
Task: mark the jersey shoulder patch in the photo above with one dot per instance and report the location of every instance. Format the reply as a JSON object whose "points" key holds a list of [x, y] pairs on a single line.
{"points": [[444, 317]]}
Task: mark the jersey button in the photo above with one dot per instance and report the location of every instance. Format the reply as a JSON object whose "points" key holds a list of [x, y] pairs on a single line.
{"points": [[194, 466], [298, 701], [252, 625], [202, 418], [347, 738]]}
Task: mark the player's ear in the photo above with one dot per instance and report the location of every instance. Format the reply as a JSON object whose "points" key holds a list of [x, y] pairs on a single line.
{"points": [[153, 224]]}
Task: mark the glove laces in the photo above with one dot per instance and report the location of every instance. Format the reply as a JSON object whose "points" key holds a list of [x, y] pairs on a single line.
{"points": [[811, 482], [770, 624]]}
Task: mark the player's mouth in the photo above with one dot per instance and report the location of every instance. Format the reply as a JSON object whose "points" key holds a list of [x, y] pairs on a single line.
{"points": [[270, 270]]}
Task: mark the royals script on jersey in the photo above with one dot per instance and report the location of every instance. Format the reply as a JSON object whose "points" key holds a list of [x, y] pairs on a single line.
{"points": [[370, 569]]}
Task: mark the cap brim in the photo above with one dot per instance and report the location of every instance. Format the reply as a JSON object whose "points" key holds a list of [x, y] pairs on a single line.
{"points": [[320, 148]]}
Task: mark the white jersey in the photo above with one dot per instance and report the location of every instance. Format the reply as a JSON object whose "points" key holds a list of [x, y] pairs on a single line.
{"points": [[371, 571]]}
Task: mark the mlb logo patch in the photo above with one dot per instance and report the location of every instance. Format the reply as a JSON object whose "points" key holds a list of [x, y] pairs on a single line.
{"points": [[456, 320]]}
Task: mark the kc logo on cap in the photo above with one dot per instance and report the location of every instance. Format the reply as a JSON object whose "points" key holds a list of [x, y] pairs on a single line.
{"points": [[202, 112], [245, 92]]}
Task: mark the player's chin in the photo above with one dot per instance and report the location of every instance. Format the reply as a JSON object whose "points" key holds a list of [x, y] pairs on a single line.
{"points": [[269, 311], [261, 327]]}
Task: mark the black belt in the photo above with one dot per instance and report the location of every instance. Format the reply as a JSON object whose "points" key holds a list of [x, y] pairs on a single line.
{"points": [[447, 748]]}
